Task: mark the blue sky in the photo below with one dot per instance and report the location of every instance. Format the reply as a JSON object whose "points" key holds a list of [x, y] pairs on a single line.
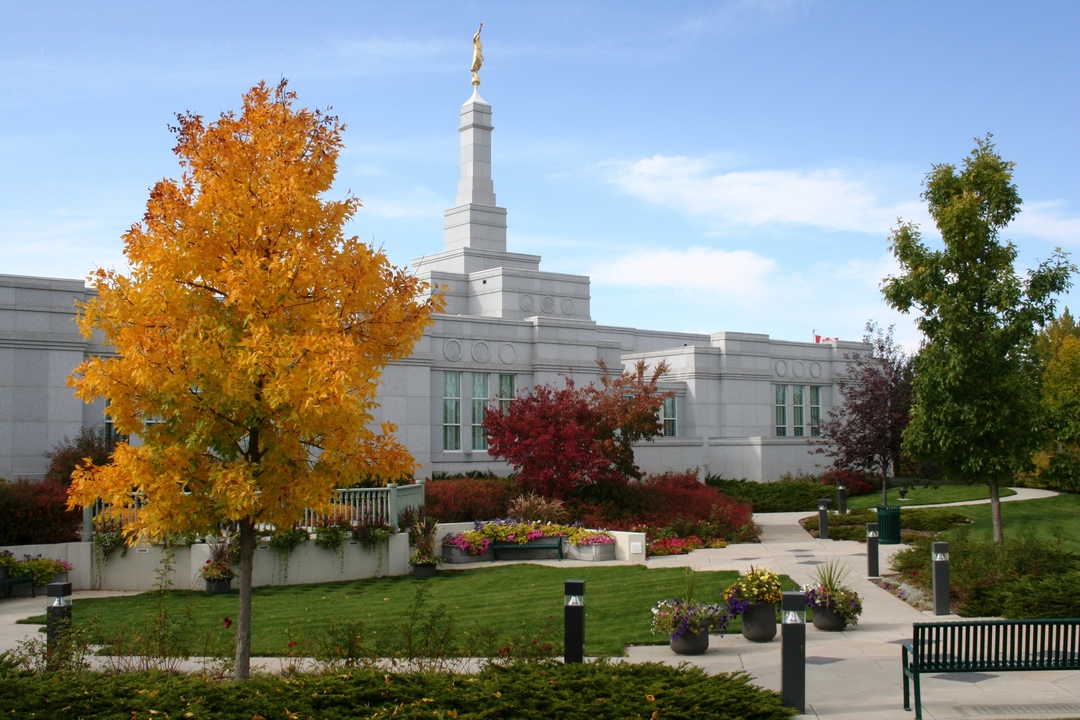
{"points": [[731, 165]]}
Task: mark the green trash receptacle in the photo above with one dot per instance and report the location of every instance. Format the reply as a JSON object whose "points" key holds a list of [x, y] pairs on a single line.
{"points": [[888, 518]]}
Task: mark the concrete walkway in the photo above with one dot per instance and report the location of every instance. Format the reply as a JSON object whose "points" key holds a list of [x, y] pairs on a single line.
{"points": [[850, 675]]}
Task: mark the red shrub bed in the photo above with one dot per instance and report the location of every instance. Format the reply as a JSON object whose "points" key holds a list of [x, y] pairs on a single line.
{"points": [[468, 499], [857, 482], [35, 513]]}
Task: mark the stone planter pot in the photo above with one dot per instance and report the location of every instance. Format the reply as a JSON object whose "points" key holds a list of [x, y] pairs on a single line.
{"points": [[218, 587], [451, 554], [425, 570], [828, 620], [759, 622], [690, 643], [61, 576], [592, 553]]}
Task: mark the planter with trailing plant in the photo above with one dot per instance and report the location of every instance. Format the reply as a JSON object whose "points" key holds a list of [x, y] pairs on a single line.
{"points": [[591, 545], [688, 622], [755, 596], [217, 570], [834, 605], [424, 560]]}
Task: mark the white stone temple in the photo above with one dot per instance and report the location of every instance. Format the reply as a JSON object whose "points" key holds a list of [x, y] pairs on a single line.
{"points": [[745, 405]]}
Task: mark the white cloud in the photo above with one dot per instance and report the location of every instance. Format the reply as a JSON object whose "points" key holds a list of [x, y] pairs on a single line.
{"points": [[827, 198], [734, 274], [1048, 220], [421, 203]]}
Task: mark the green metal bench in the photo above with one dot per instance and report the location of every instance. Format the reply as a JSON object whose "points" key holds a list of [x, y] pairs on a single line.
{"points": [[10, 582], [988, 646], [553, 542]]}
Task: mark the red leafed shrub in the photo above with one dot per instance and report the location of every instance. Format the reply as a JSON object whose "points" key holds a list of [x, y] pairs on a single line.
{"points": [[35, 513], [468, 499], [857, 482]]}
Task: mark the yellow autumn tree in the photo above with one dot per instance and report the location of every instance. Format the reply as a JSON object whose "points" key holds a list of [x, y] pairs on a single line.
{"points": [[251, 335]]}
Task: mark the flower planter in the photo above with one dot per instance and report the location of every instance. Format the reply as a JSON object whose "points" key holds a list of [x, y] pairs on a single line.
{"points": [[828, 620], [452, 554], [759, 622], [690, 643], [425, 570], [61, 576], [594, 553], [218, 587]]}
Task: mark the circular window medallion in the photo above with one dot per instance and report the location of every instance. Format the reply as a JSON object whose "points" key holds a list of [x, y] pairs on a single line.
{"points": [[815, 370], [547, 304], [507, 354], [797, 369], [481, 353], [781, 368], [526, 303], [567, 306], [452, 350]]}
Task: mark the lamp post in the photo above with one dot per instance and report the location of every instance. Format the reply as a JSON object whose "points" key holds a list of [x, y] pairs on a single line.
{"points": [[823, 518], [574, 621], [793, 650], [841, 497], [872, 550], [57, 619], [939, 552]]}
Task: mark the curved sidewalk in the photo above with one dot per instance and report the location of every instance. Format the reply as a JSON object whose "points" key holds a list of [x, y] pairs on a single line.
{"points": [[855, 674]]}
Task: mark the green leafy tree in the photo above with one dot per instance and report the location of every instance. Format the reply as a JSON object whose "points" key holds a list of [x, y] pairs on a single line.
{"points": [[975, 408], [1057, 463]]}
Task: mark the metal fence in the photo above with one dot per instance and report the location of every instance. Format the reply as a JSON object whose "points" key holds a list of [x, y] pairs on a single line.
{"points": [[355, 506]]}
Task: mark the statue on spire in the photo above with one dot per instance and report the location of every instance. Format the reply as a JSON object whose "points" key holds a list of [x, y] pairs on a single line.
{"points": [[477, 56]]}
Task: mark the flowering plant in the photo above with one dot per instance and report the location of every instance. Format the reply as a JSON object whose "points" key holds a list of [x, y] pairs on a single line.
{"points": [[471, 541], [217, 566], [7, 559], [581, 536], [829, 592], [758, 585], [676, 617], [680, 616], [40, 569]]}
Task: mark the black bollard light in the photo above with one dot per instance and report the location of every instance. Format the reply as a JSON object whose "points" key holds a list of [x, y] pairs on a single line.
{"points": [[574, 621], [841, 498], [872, 550], [793, 650], [823, 518], [939, 551], [57, 619]]}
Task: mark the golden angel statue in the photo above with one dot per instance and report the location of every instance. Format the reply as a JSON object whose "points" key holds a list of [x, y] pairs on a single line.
{"points": [[477, 56]]}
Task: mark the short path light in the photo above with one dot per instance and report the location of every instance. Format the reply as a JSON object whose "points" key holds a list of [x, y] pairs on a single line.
{"points": [[574, 621], [872, 550], [939, 551], [793, 650], [823, 518], [57, 618], [841, 497]]}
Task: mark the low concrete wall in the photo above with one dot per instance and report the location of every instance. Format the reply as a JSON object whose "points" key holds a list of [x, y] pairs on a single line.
{"points": [[139, 567], [629, 546]]}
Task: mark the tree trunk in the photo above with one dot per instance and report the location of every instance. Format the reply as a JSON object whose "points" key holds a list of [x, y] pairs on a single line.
{"points": [[242, 671], [885, 483], [995, 512]]}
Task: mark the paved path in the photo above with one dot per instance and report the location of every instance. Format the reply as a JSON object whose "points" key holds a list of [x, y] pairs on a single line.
{"points": [[850, 675]]}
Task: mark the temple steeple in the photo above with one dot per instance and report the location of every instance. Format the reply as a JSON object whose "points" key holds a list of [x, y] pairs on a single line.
{"points": [[476, 222]]}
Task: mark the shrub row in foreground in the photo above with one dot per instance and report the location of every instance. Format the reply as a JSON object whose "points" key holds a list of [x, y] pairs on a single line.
{"points": [[591, 691]]}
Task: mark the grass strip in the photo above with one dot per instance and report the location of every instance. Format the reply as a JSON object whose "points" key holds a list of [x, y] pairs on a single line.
{"points": [[926, 495], [506, 599]]}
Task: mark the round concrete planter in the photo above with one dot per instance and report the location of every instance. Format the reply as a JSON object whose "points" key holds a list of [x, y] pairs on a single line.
{"points": [[759, 622]]}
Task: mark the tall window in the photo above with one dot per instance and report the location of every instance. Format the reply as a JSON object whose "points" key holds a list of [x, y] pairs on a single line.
{"points": [[667, 416], [507, 390], [797, 410], [815, 410], [452, 411], [479, 405], [781, 410]]}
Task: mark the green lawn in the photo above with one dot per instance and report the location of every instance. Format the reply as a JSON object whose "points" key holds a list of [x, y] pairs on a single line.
{"points": [[927, 496], [1045, 517], [507, 599]]}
